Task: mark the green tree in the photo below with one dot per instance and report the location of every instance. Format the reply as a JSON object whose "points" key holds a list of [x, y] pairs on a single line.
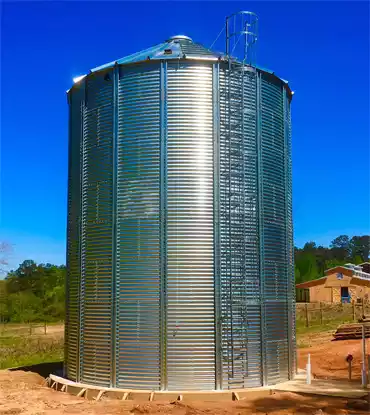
{"points": [[26, 268], [297, 275], [340, 247], [359, 247], [35, 292], [305, 262], [3, 302], [309, 246], [322, 254]]}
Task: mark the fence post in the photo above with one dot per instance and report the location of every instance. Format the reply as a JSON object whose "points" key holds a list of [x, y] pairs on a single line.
{"points": [[306, 313], [350, 370], [321, 314], [308, 370], [354, 310], [363, 371], [44, 327], [30, 329]]}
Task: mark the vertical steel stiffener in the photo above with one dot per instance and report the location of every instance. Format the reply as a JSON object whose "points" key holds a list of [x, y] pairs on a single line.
{"points": [[179, 248]]}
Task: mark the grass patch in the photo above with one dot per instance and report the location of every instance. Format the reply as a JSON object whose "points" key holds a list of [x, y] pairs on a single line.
{"points": [[302, 345], [24, 351], [317, 328]]}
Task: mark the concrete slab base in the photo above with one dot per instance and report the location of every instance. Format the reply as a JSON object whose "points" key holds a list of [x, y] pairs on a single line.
{"points": [[336, 388]]}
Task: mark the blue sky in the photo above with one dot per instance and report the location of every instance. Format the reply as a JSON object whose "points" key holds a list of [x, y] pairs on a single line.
{"points": [[322, 48]]}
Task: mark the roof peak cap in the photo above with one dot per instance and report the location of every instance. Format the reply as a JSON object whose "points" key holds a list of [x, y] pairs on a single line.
{"points": [[179, 37]]}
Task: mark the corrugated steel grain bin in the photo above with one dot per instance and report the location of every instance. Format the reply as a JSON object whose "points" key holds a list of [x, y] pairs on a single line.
{"points": [[180, 252]]}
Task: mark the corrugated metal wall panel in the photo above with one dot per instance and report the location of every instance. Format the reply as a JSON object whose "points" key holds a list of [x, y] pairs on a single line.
{"points": [[289, 241], [229, 371], [161, 326], [138, 229], [190, 277], [73, 235], [240, 279], [96, 236], [251, 244], [273, 211]]}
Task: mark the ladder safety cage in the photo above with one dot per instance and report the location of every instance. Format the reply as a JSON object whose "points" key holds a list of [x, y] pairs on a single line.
{"points": [[238, 81]]}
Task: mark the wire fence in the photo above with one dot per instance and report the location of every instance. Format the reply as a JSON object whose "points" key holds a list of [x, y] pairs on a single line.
{"points": [[307, 315], [26, 329], [316, 314]]}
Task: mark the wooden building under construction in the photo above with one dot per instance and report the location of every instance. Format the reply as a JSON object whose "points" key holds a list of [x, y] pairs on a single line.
{"points": [[342, 284]]}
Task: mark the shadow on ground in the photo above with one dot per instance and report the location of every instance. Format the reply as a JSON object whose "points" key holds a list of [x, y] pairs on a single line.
{"points": [[43, 369]]}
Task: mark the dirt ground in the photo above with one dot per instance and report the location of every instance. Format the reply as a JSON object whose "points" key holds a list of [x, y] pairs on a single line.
{"points": [[328, 358], [23, 393]]}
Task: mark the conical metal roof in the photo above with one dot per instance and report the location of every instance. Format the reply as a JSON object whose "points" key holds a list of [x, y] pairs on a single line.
{"points": [[179, 46], [176, 47]]}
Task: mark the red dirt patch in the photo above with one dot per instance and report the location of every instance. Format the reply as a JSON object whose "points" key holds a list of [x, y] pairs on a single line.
{"points": [[328, 360], [23, 393]]}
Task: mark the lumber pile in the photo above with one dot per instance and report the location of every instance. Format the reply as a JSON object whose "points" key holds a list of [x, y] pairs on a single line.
{"points": [[351, 331], [364, 320]]}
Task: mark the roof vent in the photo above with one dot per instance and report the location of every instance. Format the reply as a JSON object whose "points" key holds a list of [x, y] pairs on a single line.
{"points": [[179, 37]]}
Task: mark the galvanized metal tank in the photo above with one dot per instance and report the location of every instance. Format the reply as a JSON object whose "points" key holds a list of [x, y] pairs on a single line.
{"points": [[180, 252]]}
